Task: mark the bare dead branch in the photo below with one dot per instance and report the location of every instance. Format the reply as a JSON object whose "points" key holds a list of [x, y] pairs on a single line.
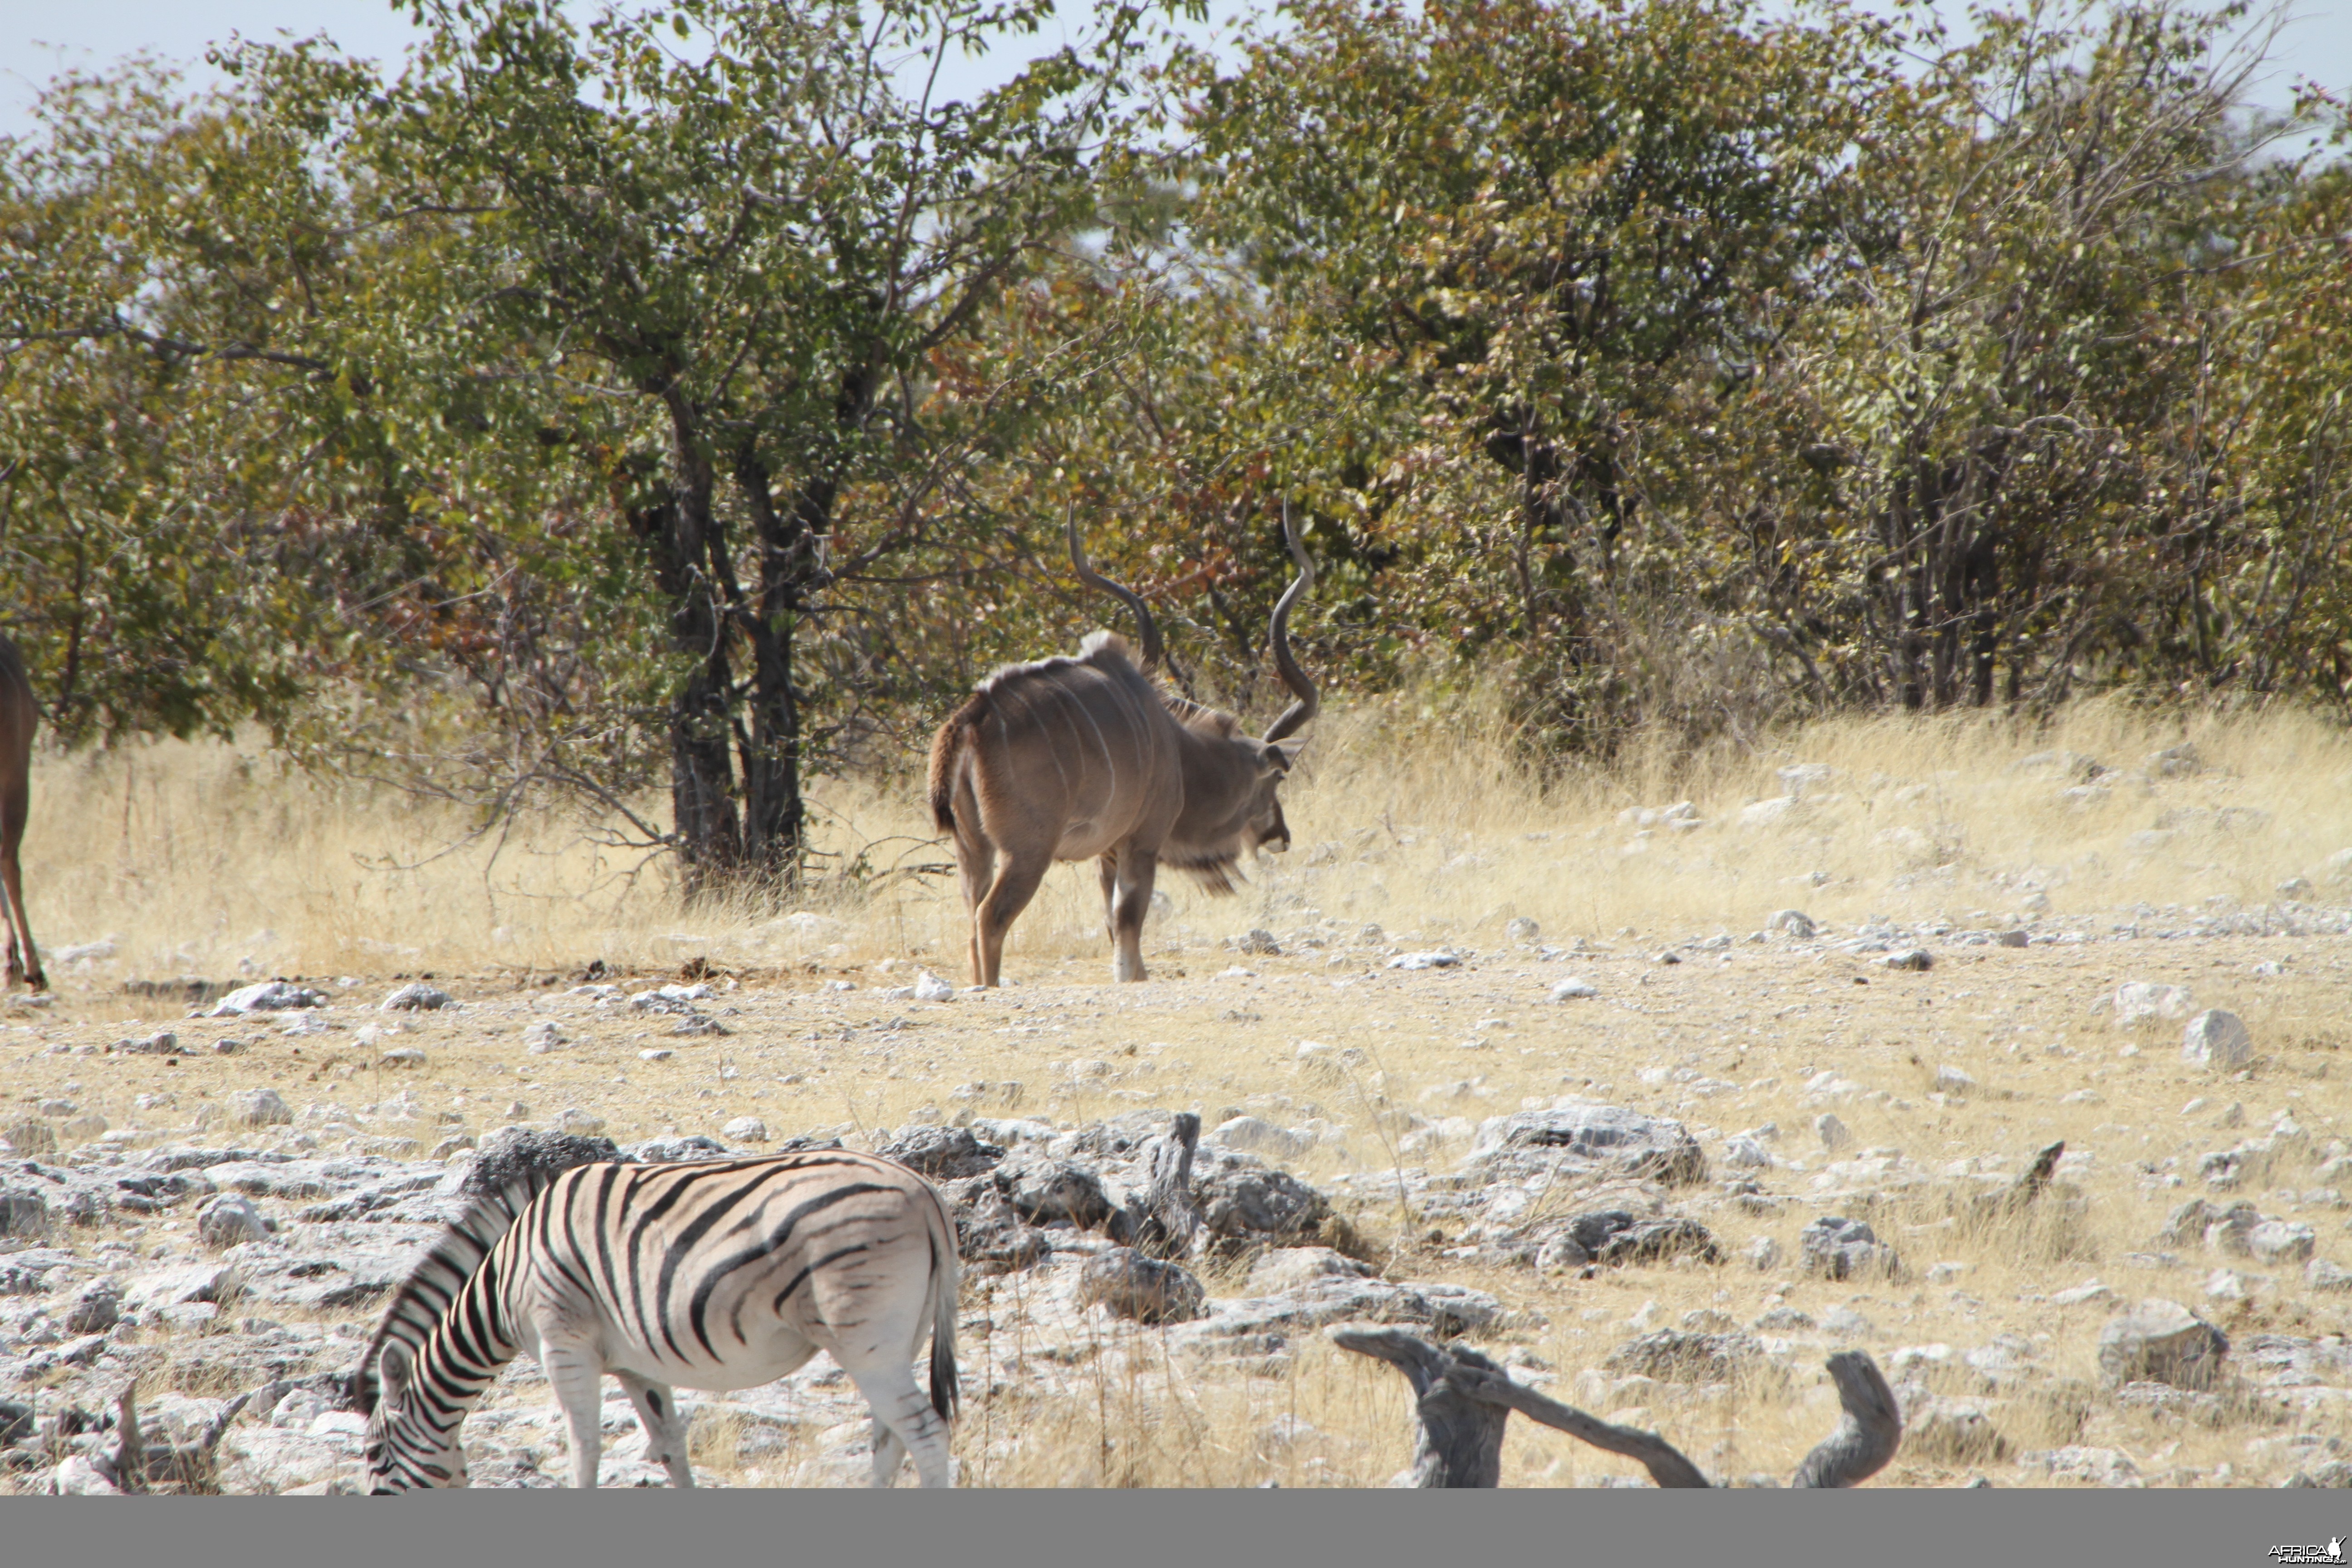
{"points": [[1867, 1439], [1464, 1399], [1665, 1463], [2037, 1176], [129, 1451]]}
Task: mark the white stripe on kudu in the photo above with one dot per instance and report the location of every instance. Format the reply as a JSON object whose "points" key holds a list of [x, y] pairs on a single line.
{"points": [[720, 1274]]}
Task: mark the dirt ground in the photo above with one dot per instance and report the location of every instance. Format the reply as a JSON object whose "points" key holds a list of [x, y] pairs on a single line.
{"points": [[1762, 1032], [1371, 1004]]}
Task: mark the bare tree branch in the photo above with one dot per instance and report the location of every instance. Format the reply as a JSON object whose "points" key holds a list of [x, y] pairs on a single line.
{"points": [[1867, 1439], [1464, 1399]]}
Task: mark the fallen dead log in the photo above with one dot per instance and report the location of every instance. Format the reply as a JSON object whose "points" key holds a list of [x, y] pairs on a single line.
{"points": [[1462, 1400], [1461, 1439], [1493, 1389]]}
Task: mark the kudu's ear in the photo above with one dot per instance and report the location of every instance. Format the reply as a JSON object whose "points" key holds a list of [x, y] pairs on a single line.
{"points": [[1281, 754]]}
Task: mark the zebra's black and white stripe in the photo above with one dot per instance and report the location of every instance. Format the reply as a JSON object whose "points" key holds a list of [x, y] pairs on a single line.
{"points": [[720, 1274]]}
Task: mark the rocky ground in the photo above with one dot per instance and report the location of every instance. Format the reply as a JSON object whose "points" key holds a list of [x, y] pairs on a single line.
{"points": [[1661, 1180]]}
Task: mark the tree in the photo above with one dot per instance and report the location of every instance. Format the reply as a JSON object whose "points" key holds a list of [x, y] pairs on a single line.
{"points": [[218, 504], [1713, 366], [678, 399], [130, 325], [2005, 378], [1548, 218], [731, 223]]}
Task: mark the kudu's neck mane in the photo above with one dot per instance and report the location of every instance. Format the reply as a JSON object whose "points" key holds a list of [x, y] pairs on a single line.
{"points": [[1196, 718]]}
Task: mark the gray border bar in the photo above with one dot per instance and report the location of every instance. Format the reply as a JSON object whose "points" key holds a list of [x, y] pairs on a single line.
{"points": [[2214, 1528]]}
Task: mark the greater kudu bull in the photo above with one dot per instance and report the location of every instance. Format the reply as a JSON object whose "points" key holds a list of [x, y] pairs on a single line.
{"points": [[1070, 758], [17, 713]]}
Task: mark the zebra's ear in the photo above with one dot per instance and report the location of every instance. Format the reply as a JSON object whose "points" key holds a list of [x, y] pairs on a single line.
{"points": [[393, 1369]]}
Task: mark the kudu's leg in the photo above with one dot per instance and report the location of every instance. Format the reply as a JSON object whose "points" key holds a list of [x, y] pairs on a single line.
{"points": [[1109, 866], [24, 963], [1016, 883], [976, 863], [1136, 869]]}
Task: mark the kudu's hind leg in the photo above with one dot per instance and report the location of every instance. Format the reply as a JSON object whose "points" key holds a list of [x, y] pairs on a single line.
{"points": [[24, 963], [1016, 883], [1136, 869], [976, 864], [1110, 867]]}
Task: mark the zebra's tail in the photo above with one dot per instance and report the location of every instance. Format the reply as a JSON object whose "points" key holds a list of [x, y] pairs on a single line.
{"points": [[944, 1389]]}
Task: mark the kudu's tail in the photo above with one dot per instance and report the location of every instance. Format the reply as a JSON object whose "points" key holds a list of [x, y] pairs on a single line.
{"points": [[946, 747]]}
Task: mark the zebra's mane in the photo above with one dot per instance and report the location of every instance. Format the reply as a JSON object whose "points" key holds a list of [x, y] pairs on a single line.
{"points": [[437, 1277]]}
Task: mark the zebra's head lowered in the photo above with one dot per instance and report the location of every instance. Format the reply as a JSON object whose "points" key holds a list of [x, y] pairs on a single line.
{"points": [[407, 1447]]}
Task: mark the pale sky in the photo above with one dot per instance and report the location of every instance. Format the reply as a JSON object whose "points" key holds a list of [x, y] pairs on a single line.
{"points": [[38, 38]]}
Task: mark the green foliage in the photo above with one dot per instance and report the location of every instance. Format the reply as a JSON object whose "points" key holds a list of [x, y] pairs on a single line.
{"points": [[1537, 224], [1715, 368], [688, 398], [131, 589], [752, 250]]}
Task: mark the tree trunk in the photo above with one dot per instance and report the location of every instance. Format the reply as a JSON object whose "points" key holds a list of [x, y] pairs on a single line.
{"points": [[701, 800], [775, 827], [1161, 1223], [775, 822], [1905, 509], [1984, 587], [680, 530]]}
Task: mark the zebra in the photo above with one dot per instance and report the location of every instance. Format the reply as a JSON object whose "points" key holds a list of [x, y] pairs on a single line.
{"points": [[717, 1274]]}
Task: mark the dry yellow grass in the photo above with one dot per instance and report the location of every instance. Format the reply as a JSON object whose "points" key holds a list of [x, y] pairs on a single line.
{"points": [[1420, 823], [1407, 814]]}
